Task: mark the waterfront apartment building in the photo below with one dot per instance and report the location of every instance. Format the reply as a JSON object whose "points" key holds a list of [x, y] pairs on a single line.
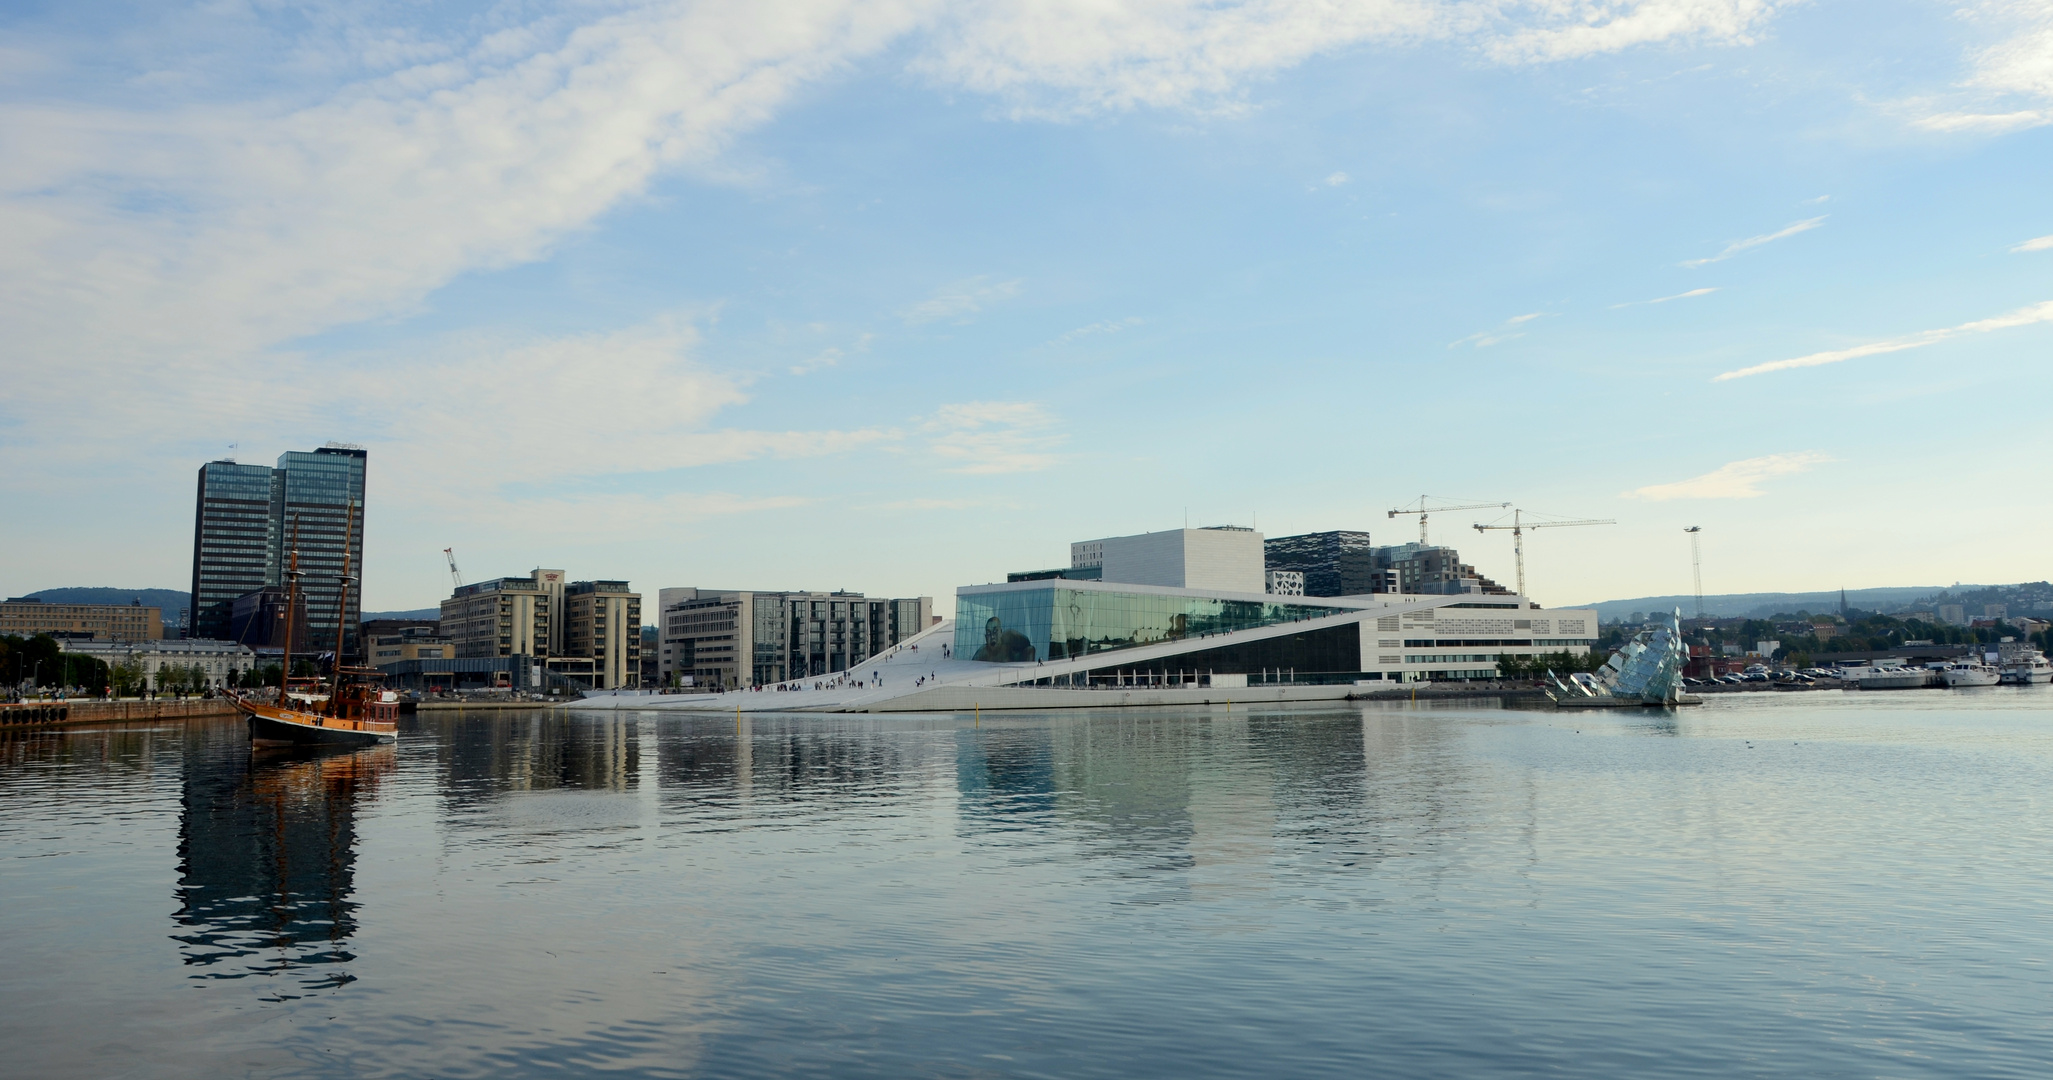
{"points": [[586, 631], [735, 638], [505, 616], [249, 519], [27, 617], [602, 621]]}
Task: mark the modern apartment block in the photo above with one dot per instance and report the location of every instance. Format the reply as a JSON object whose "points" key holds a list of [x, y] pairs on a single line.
{"points": [[505, 616], [248, 520], [602, 620], [92, 622], [587, 631], [735, 638]]}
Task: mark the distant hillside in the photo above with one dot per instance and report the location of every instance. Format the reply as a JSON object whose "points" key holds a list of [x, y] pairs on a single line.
{"points": [[416, 613], [1761, 605]]}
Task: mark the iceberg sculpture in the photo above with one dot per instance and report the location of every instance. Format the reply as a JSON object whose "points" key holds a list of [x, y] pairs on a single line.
{"points": [[1646, 670]]}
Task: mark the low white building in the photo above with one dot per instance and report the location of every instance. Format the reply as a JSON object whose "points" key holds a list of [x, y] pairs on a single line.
{"points": [[223, 662]]}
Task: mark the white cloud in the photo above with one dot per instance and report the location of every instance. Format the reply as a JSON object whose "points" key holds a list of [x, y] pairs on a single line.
{"points": [[831, 356], [1751, 242], [987, 437], [1665, 299], [2024, 316], [1076, 57], [1336, 179], [173, 248], [1110, 326], [1736, 480], [1565, 29], [960, 300], [1991, 123], [1483, 339], [2042, 243], [2010, 82], [1816, 201]]}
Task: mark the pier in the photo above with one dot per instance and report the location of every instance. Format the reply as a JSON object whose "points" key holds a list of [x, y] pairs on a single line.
{"points": [[85, 711]]}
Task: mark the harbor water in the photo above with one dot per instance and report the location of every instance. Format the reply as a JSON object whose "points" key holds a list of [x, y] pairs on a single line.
{"points": [[1800, 884]]}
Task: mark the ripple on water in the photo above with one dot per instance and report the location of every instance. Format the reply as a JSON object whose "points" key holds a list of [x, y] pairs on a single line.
{"points": [[1821, 884]]}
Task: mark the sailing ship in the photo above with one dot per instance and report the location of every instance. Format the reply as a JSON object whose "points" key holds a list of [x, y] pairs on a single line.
{"points": [[350, 710]]}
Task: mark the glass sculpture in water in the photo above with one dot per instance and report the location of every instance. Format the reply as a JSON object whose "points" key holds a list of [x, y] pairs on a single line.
{"points": [[1647, 669]]}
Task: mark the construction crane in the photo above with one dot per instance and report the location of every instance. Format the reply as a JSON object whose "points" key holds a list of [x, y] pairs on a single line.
{"points": [[1696, 565], [1518, 528], [1422, 510], [455, 575]]}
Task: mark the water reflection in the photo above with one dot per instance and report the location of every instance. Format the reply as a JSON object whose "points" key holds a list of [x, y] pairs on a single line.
{"points": [[267, 850]]}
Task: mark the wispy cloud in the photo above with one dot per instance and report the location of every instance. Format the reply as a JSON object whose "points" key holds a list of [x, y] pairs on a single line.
{"points": [[1991, 123], [987, 437], [2042, 243], [2012, 79], [961, 299], [1110, 326], [1751, 242], [1736, 480], [1336, 179], [1665, 299], [2024, 316], [1483, 339], [831, 356], [1819, 199]]}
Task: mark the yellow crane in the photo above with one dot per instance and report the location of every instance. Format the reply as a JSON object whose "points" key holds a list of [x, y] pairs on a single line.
{"points": [[1422, 510], [1518, 528]]}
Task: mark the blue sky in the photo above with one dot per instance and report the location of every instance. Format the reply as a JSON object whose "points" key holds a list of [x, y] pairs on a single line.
{"points": [[901, 296]]}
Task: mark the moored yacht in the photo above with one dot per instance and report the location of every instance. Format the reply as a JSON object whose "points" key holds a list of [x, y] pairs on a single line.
{"points": [[1969, 673], [2026, 667]]}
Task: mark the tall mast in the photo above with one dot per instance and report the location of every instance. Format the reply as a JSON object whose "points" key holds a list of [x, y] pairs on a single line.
{"points": [[291, 609], [342, 605]]}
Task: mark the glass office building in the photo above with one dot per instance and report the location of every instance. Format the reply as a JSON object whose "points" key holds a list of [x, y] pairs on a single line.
{"points": [[233, 544], [245, 526], [1056, 623], [317, 490]]}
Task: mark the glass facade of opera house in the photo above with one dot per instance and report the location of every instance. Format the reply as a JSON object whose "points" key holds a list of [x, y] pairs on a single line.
{"points": [[1062, 623]]}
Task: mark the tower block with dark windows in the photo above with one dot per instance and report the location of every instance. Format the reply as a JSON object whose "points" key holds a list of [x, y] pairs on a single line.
{"points": [[317, 492], [233, 543], [249, 516]]}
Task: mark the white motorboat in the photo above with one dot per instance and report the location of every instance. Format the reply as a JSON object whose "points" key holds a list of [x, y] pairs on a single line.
{"points": [[2026, 667], [1886, 677], [1969, 673]]}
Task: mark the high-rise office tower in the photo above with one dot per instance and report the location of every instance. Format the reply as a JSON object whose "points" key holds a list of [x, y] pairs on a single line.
{"points": [[317, 493], [248, 521], [232, 544]]}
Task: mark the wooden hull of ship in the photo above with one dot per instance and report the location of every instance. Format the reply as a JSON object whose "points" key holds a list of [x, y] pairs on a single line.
{"points": [[273, 726]]}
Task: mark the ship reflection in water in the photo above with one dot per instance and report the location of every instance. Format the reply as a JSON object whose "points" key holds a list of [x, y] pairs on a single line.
{"points": [[266, 853]]}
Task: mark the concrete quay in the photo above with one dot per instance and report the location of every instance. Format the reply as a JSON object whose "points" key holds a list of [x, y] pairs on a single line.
{"points": [[29, 714]]}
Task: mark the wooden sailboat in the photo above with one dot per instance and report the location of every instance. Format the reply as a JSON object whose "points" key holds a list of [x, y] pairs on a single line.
{"points": [[354, 711]]}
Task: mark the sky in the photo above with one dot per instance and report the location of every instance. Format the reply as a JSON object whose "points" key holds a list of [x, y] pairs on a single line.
{"points": [[897, 296]]}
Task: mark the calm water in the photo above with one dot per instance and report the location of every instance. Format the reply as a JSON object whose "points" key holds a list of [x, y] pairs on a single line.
{"points": [[1818, 885]]}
